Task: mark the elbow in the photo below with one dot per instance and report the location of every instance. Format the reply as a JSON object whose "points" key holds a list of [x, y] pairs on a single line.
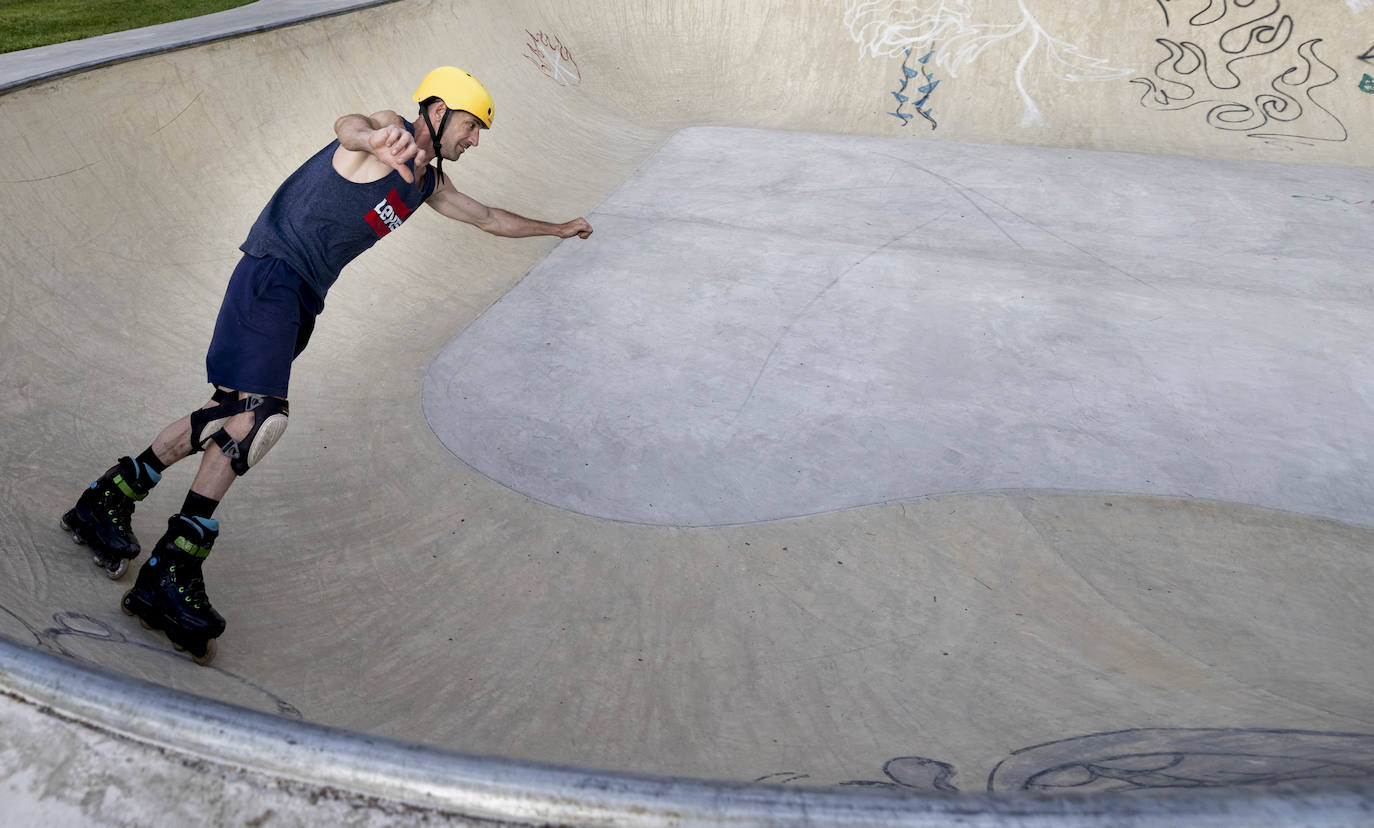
{"points": [[349, 126], [344, 129]]}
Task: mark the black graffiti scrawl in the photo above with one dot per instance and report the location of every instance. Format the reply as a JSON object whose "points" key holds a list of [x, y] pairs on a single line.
{"points": [[1147, 759], [1367, 82], [1152, 759], [1242, 64]]}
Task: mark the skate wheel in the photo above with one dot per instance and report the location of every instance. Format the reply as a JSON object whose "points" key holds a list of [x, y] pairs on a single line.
{"points": [[206, 657], [67, 527], [124, 603], [117, 571]]}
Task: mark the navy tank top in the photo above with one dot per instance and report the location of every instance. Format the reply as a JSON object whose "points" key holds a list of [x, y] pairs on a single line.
{"points": [[318, 221]]}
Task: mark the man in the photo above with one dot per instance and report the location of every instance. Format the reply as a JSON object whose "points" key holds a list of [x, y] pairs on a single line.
{"points": [[349, 195]]}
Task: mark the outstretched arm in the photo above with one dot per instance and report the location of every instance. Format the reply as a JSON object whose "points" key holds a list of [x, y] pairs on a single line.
{"points": [[498, 222], [379, 138]]}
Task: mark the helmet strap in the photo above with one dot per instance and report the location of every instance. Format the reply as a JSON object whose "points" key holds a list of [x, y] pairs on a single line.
{"points": [[435, 135]]}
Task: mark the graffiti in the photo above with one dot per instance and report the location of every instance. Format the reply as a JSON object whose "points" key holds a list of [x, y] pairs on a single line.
{"points": [[1238, 63], [913, 773], [70, 627], [1367, 82], [1334, 200], [553, 58], [29, 628], [1131, 760], [922, 106], [1147, 759], [888, 28]]}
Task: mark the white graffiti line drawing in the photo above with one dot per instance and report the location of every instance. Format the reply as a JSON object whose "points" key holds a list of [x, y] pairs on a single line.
{"points": [[887, 28]]}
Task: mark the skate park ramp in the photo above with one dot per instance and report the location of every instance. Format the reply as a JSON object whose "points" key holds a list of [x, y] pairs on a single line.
{"points": [[961, 411]]}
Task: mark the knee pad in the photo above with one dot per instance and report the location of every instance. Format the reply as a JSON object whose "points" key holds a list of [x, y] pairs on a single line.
{"points": [[270, 416]]}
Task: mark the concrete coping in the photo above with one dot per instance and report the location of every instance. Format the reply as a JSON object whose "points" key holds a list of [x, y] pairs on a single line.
{"points": [[30, 66], [520, 792]]}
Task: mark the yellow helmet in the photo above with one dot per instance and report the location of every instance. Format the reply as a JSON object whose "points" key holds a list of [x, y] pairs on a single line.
{"points": [[458, 90]]}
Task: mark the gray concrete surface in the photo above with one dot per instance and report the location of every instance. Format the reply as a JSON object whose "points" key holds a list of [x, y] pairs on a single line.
{"points": [[32, 65], [779, 324], [1106, 529], [206, 763]]}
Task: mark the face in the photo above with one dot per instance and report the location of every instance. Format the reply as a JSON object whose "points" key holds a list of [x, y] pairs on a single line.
{"points": [[460, 134]]}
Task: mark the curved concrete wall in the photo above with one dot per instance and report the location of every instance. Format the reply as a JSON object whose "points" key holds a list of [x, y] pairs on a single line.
{"points": [[375, 583], [1271, 80]]}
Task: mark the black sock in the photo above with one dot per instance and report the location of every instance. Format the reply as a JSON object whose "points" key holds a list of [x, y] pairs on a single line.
{"points": [[149, 459], [198, 505]]}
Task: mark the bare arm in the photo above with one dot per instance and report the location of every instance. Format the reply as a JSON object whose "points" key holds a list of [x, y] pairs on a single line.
{"points": [[365, 142], [498, 222]]}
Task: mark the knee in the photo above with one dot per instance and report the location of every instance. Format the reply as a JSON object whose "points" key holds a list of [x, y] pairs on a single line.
{"points": [[245, 428]]}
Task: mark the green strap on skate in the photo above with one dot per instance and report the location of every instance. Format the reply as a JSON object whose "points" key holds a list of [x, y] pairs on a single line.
{"points": [[191, 549], [127, 489]]}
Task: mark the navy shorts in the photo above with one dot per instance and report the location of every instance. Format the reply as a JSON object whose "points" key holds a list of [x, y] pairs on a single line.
{"points": [[265, 322]]}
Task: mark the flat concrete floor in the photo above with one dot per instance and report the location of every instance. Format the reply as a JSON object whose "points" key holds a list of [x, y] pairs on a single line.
{"points": [[782, 324], [825, 460]]}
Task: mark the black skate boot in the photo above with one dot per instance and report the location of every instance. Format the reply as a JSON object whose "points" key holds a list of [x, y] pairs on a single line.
{"points": [[169, 594], [101, 518]]}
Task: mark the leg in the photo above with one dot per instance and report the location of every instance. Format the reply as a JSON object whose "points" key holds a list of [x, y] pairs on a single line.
{"points": [[235, 432], [216, 472], [103, 516], [264, 322], [173, 443]]}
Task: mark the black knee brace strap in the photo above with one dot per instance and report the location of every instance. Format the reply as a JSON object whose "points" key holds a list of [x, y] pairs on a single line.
{"points": [[241, 456]]}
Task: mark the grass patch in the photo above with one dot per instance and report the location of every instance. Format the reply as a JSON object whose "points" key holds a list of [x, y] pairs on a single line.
{"points": [[25, 24]]}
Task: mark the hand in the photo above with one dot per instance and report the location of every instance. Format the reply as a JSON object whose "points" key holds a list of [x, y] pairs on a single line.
{"points": [[394, 146], [577, 227]]}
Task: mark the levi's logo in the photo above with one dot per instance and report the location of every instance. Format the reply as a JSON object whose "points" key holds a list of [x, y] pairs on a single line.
{"points": [[388, 214]]}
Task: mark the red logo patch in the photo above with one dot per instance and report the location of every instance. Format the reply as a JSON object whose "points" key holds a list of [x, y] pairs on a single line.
{"points": [[388, 214]]}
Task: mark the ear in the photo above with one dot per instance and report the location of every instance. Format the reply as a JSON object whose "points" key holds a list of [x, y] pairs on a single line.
{"points": [[437, 110]]}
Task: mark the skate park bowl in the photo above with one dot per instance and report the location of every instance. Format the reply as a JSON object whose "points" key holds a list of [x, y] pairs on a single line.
{"points": [[961, 414]]}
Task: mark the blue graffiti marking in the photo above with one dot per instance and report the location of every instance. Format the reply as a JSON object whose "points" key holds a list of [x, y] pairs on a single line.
{"points": [[1367, 85], [922, 106]]}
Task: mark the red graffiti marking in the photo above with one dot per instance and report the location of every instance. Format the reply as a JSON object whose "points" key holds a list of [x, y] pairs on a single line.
{"points": [[552, 57]]}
